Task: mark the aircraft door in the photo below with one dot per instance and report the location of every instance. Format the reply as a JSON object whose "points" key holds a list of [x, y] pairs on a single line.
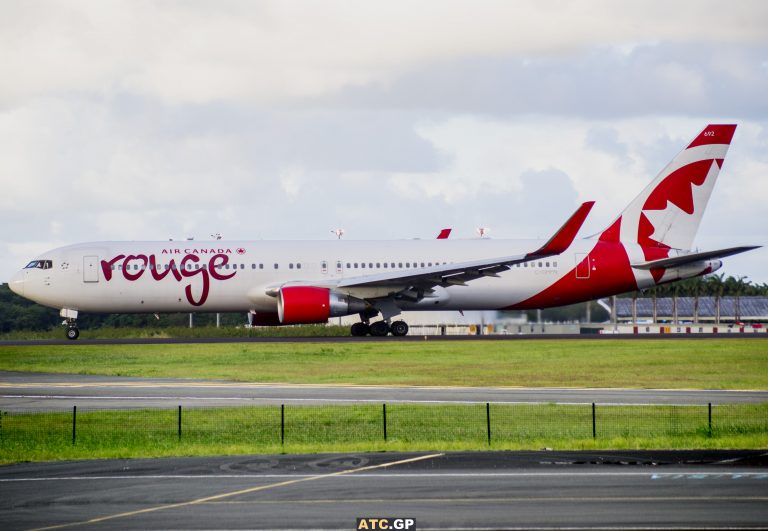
{"points": [[582, 266], [90, 269]]}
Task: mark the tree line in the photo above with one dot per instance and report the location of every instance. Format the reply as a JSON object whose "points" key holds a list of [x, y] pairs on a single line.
{"points": [[18, 313]]}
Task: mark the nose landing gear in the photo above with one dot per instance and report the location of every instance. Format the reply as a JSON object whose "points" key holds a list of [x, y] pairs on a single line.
{"points": [[70, 322], [73, 332]]}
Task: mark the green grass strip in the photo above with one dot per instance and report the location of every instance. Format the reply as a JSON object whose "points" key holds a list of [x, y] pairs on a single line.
{"points": [[327, 428], [669, 364]]}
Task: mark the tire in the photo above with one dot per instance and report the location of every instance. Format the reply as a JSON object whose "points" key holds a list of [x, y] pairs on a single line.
{"points": [[73, 333], [399, 328], [359, 330], [379, 329]]}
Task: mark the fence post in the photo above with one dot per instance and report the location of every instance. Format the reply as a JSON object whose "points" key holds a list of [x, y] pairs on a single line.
{"points": [[709, 409], [282, 424], [74, 424], [594, 423], [179, 421], [384, 416], [488, 420]]}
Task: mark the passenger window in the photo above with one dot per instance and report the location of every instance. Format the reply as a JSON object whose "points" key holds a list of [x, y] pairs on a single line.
{"points": [[355, 265], [290, 266], [385, 265], [298, 266], [399, 264], [261, 266], [554, 264], [547, 264], [362, 265], [276, 266], [370, 265], [539, 264]]}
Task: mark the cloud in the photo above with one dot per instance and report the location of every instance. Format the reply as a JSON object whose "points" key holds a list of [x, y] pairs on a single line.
{"points": [[690, 78], [150, 120], [270, 53]]}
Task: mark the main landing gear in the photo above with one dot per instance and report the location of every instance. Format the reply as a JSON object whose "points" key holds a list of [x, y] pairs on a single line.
{"points": [[380, 329]]}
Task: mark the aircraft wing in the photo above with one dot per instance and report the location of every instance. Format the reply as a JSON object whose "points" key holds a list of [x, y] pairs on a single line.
{"points": [[677, 261], [462, 272]]}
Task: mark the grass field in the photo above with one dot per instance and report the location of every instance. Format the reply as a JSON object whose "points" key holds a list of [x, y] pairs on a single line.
{"points": [[679, 363], [250, 430]]}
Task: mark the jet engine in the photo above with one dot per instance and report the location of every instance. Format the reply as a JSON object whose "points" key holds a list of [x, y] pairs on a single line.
{"points": [[309, 304]]}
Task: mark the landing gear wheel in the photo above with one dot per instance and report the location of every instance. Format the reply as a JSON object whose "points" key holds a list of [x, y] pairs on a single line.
{"points": [[73, 333], [399, 328], [379, 329], [359, 329]]}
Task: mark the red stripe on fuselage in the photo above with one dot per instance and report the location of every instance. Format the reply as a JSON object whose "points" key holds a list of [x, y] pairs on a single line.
{"points": [[610, 273]]}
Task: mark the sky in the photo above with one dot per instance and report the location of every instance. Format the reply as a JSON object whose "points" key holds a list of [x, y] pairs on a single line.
{"points": [[150, 120]]}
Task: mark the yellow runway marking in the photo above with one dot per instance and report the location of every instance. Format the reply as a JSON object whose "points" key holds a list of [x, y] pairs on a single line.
{"points": [[216, 497]]}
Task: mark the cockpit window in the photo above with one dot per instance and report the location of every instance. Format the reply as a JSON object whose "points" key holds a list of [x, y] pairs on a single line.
{"points": [[39, 264]]}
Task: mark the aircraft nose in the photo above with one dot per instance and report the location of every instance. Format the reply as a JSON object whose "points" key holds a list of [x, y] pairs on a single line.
{"points": [[17, 283]]}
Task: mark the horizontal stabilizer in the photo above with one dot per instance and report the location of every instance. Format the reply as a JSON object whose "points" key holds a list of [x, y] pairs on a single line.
{"points": [[678, 261]]}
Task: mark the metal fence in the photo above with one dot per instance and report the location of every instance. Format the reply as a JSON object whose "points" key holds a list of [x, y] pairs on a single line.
{"points": [[361, 423]]}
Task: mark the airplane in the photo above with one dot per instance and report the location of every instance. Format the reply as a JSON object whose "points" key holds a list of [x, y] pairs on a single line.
{"points": [[297, 282]]}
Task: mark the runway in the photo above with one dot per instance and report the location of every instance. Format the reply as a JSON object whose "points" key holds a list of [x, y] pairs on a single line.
{"points": [[348, 339], [20, 391], [490, 490]]}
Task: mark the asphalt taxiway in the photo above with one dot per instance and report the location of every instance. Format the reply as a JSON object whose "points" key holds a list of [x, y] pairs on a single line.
{"points": [[491, 490], [20, 391]]}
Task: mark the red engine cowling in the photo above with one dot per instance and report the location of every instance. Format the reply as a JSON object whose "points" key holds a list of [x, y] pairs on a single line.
{"points": [[309, 304]]}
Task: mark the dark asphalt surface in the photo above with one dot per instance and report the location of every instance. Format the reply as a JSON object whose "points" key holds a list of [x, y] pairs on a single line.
{"points": [[501, 337], [490, 490], [21, 391]]}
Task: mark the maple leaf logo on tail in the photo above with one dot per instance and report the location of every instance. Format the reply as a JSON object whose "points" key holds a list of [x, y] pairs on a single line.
{"points": [[667, 214]]}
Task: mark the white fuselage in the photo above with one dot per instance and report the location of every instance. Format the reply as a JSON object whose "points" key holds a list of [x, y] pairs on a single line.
{"points": [[218, 276]]}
